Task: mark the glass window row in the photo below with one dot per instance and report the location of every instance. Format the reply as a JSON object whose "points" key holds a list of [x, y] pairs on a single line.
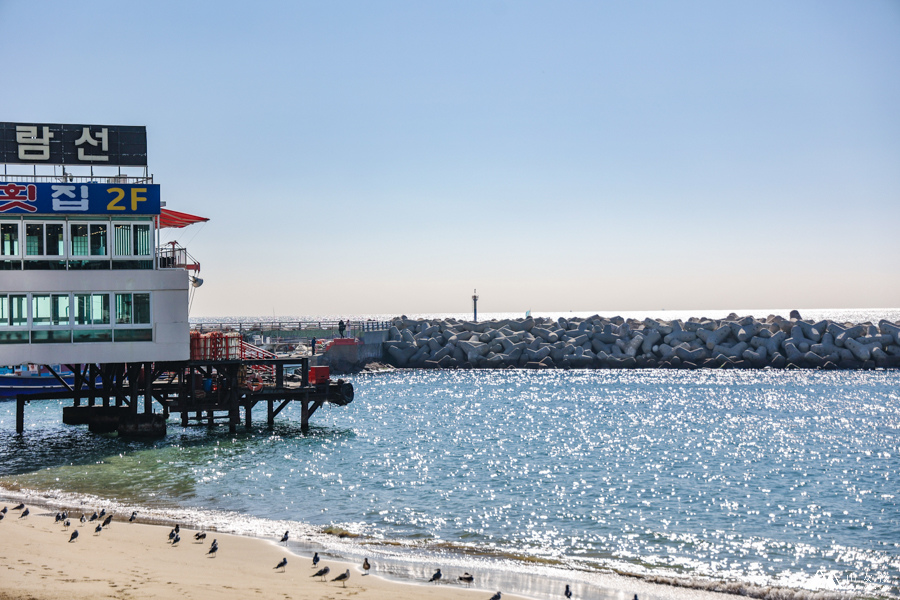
{"points": [[71, 239], [75, 317]]}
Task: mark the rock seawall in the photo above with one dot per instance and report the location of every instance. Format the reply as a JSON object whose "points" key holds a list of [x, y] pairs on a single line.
{"points": [[600, 342]]}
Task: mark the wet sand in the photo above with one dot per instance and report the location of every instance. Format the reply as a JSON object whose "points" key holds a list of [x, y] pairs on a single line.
{"points": [[133, 560]]}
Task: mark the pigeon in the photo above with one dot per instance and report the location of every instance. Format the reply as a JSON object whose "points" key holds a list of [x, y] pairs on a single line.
{"points": [[284, 538], [176, 540], [98, 529], [214, 548], [315, 559], [19, 506], [366, 566], [466, 579], [83, 518], [74, 536], [59, 517], [200, 536], [434, 578], [282, 564], [107, 521], [132, 517], [67, 524], [102, 513], [496, 596], [568, 592], [343, 577], [322, 573], [94, 517], [172, 535], [25, 513]]}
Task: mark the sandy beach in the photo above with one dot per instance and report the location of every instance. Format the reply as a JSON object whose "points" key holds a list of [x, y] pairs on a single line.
{"points": [[134, 560]]}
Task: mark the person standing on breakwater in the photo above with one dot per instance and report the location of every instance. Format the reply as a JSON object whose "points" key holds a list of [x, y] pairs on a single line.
{"points": [[312, 345], [341, 327]]}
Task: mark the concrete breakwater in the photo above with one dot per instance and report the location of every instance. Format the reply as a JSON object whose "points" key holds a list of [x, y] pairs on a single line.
{"points": [[600, 342]]}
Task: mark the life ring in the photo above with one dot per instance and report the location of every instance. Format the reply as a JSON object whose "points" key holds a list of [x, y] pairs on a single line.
{"points": [[253, 383]]}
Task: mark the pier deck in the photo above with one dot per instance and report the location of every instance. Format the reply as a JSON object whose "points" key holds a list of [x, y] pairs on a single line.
{"points": [[202, 392]]}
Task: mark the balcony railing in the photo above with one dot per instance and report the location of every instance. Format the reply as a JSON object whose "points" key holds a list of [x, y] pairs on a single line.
{"points": [[175, 256]]}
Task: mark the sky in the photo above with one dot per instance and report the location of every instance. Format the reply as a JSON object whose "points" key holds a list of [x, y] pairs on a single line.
{"points": [[391, 157]]}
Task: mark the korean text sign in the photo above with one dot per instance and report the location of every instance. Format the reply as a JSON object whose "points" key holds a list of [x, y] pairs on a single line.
{"points": [[79, 198], [55, 144]]}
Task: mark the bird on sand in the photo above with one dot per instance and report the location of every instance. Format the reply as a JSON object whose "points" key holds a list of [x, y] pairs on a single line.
{"points": [[74, 536], [177, 528], [436, 577], [132, 517], [343, 577], [25, 513], [466, 579], [568, 592], [94, 517], [322, 572], [83, 518], [315, 559], [65, 515], [213, 548], [107, 521], [176, 540], [635, 597], [59, 517], [172, 535], [19, 506], [67, 524], [98, 529], [282, 564], [366, 566], [2, 516], [200, 536], [102, 512], [4, 510], [285, 537], [496, 596]]}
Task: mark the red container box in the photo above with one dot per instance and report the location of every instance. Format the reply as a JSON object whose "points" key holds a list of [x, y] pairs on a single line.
{"points": [[319, 375]]}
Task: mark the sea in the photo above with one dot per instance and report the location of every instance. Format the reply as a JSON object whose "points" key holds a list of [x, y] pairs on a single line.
{"points": [[767, 484]]}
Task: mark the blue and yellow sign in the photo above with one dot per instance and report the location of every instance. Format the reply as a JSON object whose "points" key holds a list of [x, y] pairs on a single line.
{"points": [[79, 198]]}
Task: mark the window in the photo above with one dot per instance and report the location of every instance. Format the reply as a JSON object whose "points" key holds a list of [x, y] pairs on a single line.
{"points": [[34, 239], [79, 237], [13, 314], [132, 309], [50, 310], [44, 239], [91, 309], [88, 239], [98, 240], [132, 239], [56, 245], [9, 239]]}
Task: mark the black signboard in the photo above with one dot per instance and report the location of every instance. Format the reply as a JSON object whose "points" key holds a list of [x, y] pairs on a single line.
{"points": [[54, 144]]}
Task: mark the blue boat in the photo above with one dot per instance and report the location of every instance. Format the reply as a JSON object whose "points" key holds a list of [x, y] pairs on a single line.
{"points": [[32, 379]]}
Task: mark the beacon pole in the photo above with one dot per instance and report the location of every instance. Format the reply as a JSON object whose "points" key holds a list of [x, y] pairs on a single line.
{"points": [[475, 306]]}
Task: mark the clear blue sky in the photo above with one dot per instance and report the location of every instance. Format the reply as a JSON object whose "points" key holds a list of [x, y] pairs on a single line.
{"points": [[360, 157]]}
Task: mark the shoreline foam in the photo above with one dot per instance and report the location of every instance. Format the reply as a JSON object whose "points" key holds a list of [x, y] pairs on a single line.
{"points": [[407, 567]]}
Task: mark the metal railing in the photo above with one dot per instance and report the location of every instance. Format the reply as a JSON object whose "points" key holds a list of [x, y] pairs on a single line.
{"points": [[68, 178], [174, 256], [278, 332]]}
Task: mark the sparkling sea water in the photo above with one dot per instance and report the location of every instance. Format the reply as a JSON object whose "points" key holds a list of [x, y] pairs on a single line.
{"points": [[779, 483]]}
